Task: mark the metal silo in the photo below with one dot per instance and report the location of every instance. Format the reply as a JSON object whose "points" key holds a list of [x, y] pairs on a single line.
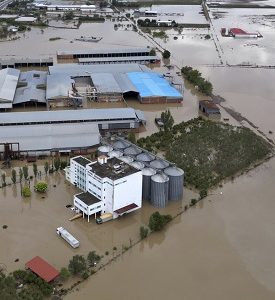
{"points": [[147, 173], [137, 164], [175, 182], [104, 150], [133, 151], [115, 153], [120, 145], [126, 159], [145, 157], [159, 164], [159, 190]]}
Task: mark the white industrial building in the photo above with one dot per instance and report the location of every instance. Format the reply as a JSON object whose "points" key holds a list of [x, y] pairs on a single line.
{"points": [[109, 184]]}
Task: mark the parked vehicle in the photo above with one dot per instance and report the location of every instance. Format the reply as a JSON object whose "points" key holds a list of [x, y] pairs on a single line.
{"points": [[67, 237], [159, 122], [104, 218]]}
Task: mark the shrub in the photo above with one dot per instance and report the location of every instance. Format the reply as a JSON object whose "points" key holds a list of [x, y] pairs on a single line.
{"points": [[203, 194], [13, 176], [41, 187], [157, 221], [77, 265], [143, 232], [93, 258], [193, 201], [166, 54], [26, 191], [85, 275], [64, 274]]}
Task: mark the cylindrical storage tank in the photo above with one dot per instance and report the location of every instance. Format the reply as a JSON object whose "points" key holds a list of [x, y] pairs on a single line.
{"points": [[175, 182], [120, 145], [126, 159], [137, 164], [145, 157], [104, 150], [132, 151], [115, 153], [159, 190], [159, 164], [147, 173]]}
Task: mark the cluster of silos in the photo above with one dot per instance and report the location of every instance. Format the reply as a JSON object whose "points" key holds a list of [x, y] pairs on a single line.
{"points": [[104, 150], [115, 153], [147, 173]]}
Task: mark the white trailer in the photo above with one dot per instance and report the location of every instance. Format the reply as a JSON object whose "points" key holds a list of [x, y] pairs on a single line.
{"points": [[67, 237]]}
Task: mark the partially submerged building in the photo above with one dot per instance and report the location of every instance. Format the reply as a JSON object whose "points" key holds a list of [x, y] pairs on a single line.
{"points": [[108, 82], [209, 109], [76, 131], [109, 186]]}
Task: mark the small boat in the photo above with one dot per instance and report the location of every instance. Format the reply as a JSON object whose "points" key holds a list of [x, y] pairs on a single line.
{"points": [[89, 39]]}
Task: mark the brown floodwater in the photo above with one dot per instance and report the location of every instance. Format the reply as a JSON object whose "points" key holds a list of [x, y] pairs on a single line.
{"points": [[220, 249]]}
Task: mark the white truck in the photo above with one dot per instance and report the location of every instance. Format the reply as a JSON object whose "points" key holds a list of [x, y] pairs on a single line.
{"points": [[104, 218], [67, 237]]}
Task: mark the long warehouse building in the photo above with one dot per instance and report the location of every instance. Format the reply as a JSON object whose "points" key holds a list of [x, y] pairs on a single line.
{"points": [[44, 132]]}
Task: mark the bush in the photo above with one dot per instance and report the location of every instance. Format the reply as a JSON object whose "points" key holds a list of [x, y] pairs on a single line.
{"points": [[166, 54], [64, 274], [93, 258], [77, 265], [143, 232], [41, 187], [26, 191], [85, 275], [157, 221], [193, 201], [203, 194]]}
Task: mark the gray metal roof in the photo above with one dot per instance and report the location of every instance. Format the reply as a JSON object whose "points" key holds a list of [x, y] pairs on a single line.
{"points": [[82, 70], [31, 87], [111, 59], [141, 116], [58, 86], [103, 51], [105, 83], [51, 136], [124, 83], [8, 83], [94, 115]]}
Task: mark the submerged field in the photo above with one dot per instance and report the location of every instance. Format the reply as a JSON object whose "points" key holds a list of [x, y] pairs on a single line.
{"points": [[208, 151]]}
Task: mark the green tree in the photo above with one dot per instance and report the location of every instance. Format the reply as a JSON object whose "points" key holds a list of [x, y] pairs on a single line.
{"points": [[167, 119], [143, 232], [203, 194], [7, 287], [13, 176], [93, 258], [41, 187], [26, 191], [152, 52], [26, 172], [158, 221], [63, 164], [77, 265], [34, 166], [20, 174], [56, 163], [166, 54], [46, 167], [64, 274], [132, 137]]}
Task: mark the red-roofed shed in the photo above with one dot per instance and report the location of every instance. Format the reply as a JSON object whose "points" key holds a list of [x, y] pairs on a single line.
{"points": [[237, 31], [41, 268]]}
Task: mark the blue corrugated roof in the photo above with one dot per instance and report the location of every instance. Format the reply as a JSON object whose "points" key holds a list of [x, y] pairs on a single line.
{"points": [[152, 84]]}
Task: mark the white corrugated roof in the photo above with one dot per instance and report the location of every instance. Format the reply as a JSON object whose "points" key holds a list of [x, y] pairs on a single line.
{"points": [[51, 136], [8, 83], [95, 115]]}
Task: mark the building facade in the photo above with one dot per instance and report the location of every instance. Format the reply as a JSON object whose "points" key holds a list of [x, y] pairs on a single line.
{"points": [[109, 186]]}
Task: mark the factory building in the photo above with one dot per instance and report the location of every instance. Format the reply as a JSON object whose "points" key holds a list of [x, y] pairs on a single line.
{"points": [[109, 186], [108, 82], [8, 83], [25, 62], [73, 56], [162, 181], [45, 132]]}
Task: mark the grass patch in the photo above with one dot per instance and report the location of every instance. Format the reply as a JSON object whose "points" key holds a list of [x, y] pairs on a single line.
{"points": [[160, 34], [208, 151]]}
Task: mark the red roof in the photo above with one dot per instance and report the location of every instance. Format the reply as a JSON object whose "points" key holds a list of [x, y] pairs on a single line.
{"points": [[237, 31], [41, 268], [125, 208]]}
